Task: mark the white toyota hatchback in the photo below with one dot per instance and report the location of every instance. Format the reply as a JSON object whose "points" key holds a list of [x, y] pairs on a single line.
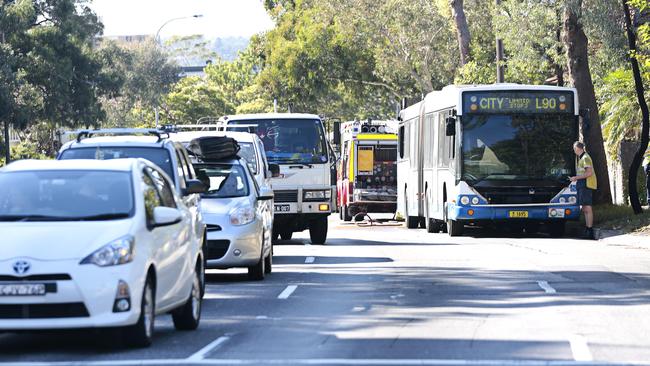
{"points": [[96, 244]]}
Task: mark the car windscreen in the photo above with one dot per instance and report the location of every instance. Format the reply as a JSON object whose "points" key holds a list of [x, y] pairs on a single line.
{"points": [[157, 156], [288, 141], [70, 195], [223, 180]]}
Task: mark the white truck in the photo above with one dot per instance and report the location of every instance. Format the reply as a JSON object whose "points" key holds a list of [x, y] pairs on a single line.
{"points": [[303, 167]]}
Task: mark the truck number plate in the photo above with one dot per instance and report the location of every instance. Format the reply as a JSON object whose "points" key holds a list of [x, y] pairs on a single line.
{"points": [[282, 208], [518, 214], [22, 290]]}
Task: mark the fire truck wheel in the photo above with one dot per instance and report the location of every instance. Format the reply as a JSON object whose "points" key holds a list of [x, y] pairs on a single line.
{"points": [[345, 213], [286, 235]]}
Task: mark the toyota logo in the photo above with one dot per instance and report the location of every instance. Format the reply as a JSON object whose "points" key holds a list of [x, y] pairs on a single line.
{"points": [[21, 267]]}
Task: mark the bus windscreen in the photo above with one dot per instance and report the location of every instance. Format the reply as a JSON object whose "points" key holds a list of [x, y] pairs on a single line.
{"points": [[518, 101]]}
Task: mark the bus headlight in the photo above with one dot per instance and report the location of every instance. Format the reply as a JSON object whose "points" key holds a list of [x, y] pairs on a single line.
{"points": [[475, 200], [464, 200], [562, 200], [573, 199]]}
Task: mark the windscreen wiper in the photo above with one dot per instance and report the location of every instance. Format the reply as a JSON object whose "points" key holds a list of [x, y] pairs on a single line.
{"points": [[24, 218], [100, 217]]}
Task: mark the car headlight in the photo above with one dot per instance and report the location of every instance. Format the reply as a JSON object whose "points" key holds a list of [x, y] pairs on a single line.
{"points": [[242, 215], [317, 195], [464, 200], [475, 200], [119, 251]]}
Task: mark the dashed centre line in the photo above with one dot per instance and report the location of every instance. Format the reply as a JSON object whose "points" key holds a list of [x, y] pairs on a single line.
{"points": [[310, 260], [580, 349], [546, 287], [287, 292]]}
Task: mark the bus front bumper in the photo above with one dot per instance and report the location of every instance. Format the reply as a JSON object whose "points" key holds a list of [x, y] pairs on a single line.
{"points": [[548, 212]]}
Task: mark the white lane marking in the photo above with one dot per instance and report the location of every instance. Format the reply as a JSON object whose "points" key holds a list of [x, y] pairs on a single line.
{"points": [[546, 287], [261, 317], [200, 355], [287, 292], [310, 260], [580, 349], [325, 361]]}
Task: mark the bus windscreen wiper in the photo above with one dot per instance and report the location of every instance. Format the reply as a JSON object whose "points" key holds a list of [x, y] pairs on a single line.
{"points": [[293, 161]]}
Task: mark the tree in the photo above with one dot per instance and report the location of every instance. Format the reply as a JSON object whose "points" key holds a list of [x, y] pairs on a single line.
{"points": [[462, 29], [640, 93], [576, 44]]}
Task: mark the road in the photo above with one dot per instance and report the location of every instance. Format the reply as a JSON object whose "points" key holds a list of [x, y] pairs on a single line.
{"points": [[385, 295]]}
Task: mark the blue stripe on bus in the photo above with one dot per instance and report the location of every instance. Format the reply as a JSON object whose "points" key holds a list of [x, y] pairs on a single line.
{"points": [[503, 213]]}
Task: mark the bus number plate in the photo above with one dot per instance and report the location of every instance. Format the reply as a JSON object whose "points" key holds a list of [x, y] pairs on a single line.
{"points": [[282, 208], [518, 214]]}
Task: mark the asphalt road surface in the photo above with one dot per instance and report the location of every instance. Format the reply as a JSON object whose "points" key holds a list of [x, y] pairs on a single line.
{"points": [[385, 295]]}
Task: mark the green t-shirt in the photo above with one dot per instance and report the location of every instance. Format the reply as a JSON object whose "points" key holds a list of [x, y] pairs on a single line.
{"points": [[585, 162]]}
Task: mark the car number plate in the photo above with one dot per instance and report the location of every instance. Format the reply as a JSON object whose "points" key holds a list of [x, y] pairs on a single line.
{"points": [[23, 289], [518, 214], [282, 208]]}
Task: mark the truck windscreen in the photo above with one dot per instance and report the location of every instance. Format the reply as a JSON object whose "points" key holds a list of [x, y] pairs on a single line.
{"points": [[287, 141]]}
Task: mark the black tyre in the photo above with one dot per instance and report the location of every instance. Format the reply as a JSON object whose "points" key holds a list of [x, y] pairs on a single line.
{"points": [[268, 266], [345, 214], [318, 230], [557, 229], [454, 228], [286, 235], [430, 224], [258, 271], [412, 222], [188, 316], [141, 333]]}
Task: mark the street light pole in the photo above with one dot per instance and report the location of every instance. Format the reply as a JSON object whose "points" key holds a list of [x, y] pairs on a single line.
{"points": [[159, 42]]}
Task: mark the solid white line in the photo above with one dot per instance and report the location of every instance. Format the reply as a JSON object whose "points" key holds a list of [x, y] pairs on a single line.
{"points": [[333, 361], [310, 260], [200, 355], [287, 292], [580, 349], [546, 287]]}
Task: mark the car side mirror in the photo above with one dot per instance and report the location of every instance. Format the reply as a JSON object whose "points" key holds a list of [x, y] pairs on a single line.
{"points": [[275, 170], [194, 186], [266, 194], [165, 216], [450, 126]]}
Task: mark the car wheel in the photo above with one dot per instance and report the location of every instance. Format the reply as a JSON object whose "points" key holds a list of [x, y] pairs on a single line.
{"points": [[188, 316], [258, 271], [141, 334], [268, 266], [318, 230]]}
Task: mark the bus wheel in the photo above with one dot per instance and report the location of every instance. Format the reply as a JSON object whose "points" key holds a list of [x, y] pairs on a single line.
{"points": [[412, 222], [318, 230], [556, 229], [429, 222], [454, 227]]}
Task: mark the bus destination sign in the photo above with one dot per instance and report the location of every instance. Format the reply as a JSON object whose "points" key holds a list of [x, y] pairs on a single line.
{"points": [[514, 101]]}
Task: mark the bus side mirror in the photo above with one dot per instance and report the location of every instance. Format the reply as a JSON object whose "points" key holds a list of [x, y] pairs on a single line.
{"points": [[450, 126], [336, 134]]}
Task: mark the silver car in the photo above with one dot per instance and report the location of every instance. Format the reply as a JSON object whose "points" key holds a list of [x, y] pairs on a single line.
{"points": [[239, 224]]}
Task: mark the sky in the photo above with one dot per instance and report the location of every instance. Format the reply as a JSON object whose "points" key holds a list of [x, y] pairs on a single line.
{"points": [[221, 18]]}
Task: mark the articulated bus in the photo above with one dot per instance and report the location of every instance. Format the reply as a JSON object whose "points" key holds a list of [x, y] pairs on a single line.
{"points": [[304, 164], [484, 154], [367, 172]]}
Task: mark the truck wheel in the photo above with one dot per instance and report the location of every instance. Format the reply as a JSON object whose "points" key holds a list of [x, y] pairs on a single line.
{"points": [[345, 213], [454, 227], [318, 231]]}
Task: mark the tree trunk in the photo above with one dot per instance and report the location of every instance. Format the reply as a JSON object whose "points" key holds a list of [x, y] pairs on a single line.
{"points": [[462, 29], [575, 42], [645, 127]]}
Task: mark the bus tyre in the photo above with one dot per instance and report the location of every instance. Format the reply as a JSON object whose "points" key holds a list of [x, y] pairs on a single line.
{"points": [[454, 227], [318, 230], [412, 222], [556, 229], [429, 222]]}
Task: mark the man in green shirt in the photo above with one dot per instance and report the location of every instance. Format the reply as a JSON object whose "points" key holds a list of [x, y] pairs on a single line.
{"points": [[586, 184]]}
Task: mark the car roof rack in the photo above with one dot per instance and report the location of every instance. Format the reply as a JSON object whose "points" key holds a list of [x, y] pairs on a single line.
{"points": [[121, 131], [179, 128]]}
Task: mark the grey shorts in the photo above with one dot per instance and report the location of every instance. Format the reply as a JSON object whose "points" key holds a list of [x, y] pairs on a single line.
{"points": [[585, 195]]}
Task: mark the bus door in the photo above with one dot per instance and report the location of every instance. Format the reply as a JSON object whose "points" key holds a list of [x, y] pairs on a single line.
{"points": [[420, 160]]}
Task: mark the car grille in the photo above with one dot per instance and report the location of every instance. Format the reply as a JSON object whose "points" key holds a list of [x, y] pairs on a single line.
{"points": [[217, 248], [47, 277], [43, 311], [285, 196], [518, 195]]}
